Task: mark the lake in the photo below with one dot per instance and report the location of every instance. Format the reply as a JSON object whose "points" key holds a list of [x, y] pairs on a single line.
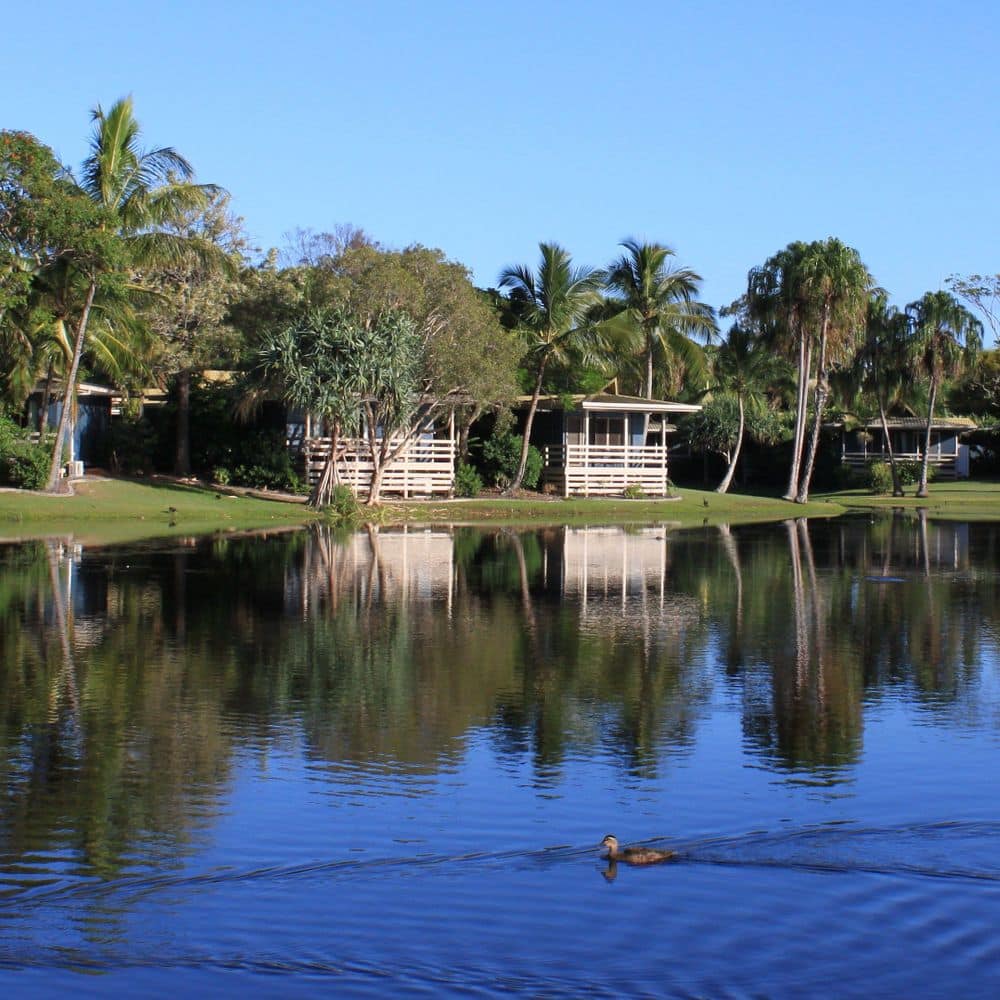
{"points": [[380, 764]]}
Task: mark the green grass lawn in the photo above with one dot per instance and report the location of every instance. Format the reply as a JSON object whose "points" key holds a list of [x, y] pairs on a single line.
{"points": [[966, 500], [117, 510], [691, 508]]}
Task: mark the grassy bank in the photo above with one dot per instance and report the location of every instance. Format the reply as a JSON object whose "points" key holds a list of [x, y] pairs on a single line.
{"points": [[969, 500], [109, 510], [116, 510], [691, 508]]}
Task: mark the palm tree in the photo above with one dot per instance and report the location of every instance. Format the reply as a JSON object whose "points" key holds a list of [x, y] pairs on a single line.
{"points": [[658, 304], [810, 297], [551, 309], [881, 366], [138, 192], [946, 336], [776, 299], [837, 285], [744, 369]]}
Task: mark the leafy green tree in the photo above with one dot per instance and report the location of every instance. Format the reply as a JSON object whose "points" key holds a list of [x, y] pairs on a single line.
{"points": [[469, 359], [982, 292], [189, 314], [945, 338], [881, 366], [551, 309], [744, 370], [49, 224], [655, 307], [137, 193]]}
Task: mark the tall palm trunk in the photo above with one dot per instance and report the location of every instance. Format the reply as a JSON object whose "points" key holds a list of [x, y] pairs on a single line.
{"points": [[529, 420], [43, 414], [182, 455], [820, 396], [52, 486], [723, 487], [805, 365], [897, 486], [922, 488], [649, 368]]}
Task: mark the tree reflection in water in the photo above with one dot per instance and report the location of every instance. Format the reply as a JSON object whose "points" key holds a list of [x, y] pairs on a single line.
{"points": [[132, 678]]}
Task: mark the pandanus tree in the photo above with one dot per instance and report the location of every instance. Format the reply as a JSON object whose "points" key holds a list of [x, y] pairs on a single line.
{"points": [[551, 307], [655, 306], [945, 338], [137, 192]]}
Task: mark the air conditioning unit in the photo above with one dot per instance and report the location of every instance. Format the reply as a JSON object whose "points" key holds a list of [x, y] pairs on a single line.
{"points": [[75, 470]]}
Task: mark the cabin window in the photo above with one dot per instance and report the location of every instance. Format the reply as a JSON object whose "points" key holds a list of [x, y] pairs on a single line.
{"points": [[605, 430]]}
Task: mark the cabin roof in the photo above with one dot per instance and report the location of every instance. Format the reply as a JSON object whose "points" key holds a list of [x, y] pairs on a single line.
{"points": [[82, 389], [913, 424], [607, 401]]}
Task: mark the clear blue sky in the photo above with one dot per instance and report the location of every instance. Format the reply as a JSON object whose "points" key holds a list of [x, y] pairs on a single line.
{"points": [[725, 129]]}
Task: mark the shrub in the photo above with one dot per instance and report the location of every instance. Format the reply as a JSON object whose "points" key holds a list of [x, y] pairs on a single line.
{"points": [[502, 453], [28, 465], [880, 477], [222, 475], [468, 482], [633, 491], [133, 446], [23, 463], [909, 472]]}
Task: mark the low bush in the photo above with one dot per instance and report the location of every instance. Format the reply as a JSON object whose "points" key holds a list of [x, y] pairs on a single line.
{"points": [[468, 482], [502, 454], [23, 463], [880, 477], [633, 491]]}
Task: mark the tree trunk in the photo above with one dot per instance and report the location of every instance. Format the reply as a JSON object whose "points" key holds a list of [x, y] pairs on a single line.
{"points": [[378, 455], [649, 370], [526, 442], [43, 414], [805, 364], [464, 427], [328, 480], [723, 487], [52, 486], [897, 486], [182, 456], [820, 396], [922, 488]]}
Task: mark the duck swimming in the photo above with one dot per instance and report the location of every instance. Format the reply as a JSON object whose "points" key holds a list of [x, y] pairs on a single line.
{"points": [[634, 855]]}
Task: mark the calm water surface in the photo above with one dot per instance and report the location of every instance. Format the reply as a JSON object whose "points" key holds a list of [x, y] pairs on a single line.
{"points": [[380, 764]]}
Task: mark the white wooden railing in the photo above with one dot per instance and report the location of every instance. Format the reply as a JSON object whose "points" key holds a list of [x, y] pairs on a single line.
{"points": [[425, 466], [606, 469], [945, 465]]}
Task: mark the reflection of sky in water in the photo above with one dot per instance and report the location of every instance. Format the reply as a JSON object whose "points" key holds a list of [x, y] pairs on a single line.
{"points": [[386, 765]]}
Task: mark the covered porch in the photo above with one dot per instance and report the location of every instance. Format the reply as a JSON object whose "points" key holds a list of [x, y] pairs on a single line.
{"points": [[866, 443], [425, 466], [605, 443]]}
